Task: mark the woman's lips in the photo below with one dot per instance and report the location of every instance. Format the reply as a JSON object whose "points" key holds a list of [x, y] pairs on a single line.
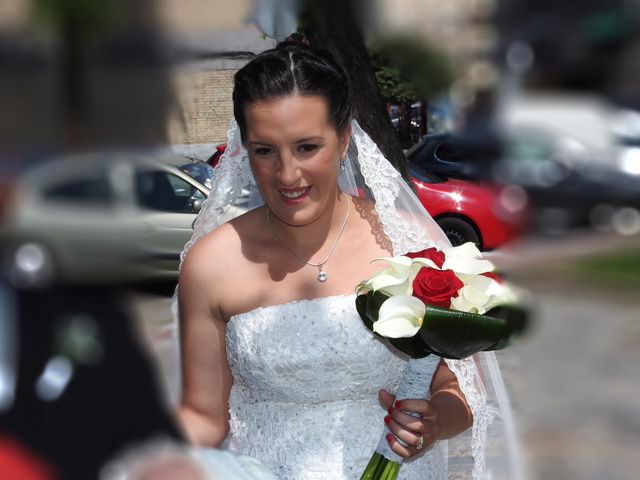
{"points": [[294, 195]]}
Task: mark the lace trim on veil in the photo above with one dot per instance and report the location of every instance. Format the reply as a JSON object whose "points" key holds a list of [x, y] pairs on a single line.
{"points": [[233, 181], [409, 231], [483, 414]]}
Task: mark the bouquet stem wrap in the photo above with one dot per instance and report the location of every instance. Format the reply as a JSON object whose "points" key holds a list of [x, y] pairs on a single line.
{"points": [[415, 383]]}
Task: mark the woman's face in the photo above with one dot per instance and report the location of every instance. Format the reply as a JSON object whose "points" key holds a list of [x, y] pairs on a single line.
{"points": [[294, 152]]}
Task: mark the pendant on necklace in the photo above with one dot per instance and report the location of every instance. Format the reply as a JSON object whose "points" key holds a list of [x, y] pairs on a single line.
{"points": [[322, 276]]}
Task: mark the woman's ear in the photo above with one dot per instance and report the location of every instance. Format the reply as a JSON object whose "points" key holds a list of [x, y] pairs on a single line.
{"points": [[344, 141]]}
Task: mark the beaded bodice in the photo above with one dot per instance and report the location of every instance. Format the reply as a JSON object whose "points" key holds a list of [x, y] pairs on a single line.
{"points": [[304, 399]]}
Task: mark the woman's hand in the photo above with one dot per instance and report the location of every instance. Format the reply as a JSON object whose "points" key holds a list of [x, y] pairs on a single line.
{"points": [[412, 435], [444, 415]]}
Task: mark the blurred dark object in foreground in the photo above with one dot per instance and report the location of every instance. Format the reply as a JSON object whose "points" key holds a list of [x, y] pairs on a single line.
{"points": [[76, 76], [84, 390], [19, 462]]}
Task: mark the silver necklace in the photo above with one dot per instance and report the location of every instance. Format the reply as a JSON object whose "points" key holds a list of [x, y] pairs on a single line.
{"points": [[322, 275]]}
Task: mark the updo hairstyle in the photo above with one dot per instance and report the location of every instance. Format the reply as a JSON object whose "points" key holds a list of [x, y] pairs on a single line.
{"points": [[292, 68]]}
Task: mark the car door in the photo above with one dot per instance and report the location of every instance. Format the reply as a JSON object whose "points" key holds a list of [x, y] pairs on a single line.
{"points": [[78, 216], [167, 204]]}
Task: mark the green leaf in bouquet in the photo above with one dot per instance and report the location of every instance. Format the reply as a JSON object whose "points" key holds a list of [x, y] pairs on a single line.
{"points": [[454, 334], [450, 333], [517, 318], [362, 302]]}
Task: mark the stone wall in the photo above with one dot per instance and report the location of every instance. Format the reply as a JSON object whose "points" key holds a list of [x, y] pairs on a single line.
{"points": [[204, 107]]}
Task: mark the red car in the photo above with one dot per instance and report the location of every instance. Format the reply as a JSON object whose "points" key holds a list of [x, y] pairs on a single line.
{"points": [[488, 215], [215, 157]]}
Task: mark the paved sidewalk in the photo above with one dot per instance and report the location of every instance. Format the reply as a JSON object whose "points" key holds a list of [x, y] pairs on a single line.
{"points": [[575, 380], [575, 385]]}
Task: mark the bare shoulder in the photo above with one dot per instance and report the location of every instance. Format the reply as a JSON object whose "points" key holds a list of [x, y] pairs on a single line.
{"points": [[207, 256], [218, 263], [222, 246]]}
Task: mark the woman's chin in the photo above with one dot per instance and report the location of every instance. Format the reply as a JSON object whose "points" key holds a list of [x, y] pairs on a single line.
{"points": [[296, 215]]}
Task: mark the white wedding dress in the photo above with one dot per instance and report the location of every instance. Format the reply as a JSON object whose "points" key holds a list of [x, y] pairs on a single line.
{"points": [[304, 400], [307, 373]]}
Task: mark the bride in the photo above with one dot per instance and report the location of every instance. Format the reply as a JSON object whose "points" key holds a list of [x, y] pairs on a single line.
{"points": [[274, 355]]}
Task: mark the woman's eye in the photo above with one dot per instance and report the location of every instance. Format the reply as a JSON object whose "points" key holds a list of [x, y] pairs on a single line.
{"points": [[308, 147], [262, 151]]}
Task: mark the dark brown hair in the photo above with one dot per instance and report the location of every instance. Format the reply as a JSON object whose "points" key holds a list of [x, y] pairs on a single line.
{"points": [[293, 68]]}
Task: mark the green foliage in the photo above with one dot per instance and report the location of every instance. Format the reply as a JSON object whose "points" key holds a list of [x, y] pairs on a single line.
{"points": [[391, 84], [87, 13], [408, 68], [620, 269]]}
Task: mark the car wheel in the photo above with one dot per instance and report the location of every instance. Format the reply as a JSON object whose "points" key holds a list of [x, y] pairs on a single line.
{"points": [[30, 264], [458, 231]]}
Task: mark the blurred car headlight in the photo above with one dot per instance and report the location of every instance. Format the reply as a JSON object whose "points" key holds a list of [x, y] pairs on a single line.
{"points": [[626, 221], [607, 218], [630, 160], [30, 265], [512, 199]]}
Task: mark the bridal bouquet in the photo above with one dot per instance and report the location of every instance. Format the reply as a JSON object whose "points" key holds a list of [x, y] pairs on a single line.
{"points": [[448, 303]]}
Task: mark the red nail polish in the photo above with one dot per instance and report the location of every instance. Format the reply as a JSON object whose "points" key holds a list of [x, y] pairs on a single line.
{"points": [[387, 419], [390, 410], [398, 404], [389, 437]]}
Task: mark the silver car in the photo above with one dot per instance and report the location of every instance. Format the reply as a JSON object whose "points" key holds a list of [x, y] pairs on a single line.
{"points": [[103, 217]]}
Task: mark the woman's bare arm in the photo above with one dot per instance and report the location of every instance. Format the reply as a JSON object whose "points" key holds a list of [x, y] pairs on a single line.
{"points": [[204, 409], [454, 414]]}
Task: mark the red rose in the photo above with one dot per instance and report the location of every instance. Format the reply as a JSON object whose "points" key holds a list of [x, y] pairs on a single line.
{"points": [[433, 254], [436, 287]]}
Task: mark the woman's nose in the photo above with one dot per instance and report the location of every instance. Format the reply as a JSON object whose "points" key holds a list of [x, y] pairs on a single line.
{"points": [[288, 172]]}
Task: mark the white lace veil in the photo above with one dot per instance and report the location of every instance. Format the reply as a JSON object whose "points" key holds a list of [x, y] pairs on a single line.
{"points": [[410, 228]]}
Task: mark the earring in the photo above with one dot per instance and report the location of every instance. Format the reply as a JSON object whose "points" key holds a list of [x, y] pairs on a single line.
{"points": [[342, 167]]}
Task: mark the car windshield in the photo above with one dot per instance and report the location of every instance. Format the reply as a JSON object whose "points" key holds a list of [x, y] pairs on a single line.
{"points": [[423, 175], [199, 171]]}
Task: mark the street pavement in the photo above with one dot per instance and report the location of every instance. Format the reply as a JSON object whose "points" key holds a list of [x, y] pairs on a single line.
{"points": [[574, 379]]}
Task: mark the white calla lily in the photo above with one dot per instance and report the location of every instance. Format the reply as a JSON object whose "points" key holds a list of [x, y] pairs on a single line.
{"points": [[466, 260], [480, 294], [399, 264], [469, 300], [391, 284], [468, 250], [424, 262], [400, 316], [393, 280], [501, 294]]}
